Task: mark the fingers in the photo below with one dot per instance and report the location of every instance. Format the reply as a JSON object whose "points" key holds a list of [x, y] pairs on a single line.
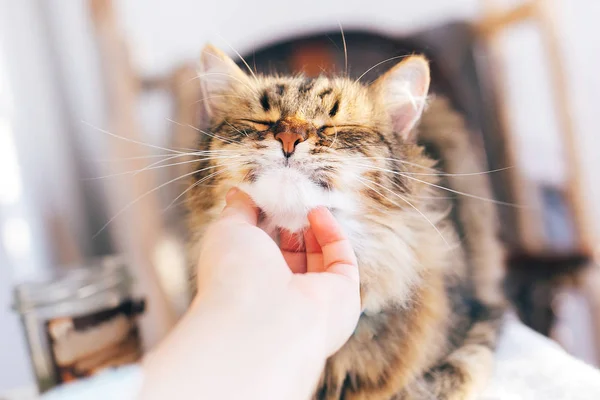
{"points": [[336, 288], [292, 248], [240, 207], [236, 253], [314, 256], [337, 299], [338, 256], [310, 242]]}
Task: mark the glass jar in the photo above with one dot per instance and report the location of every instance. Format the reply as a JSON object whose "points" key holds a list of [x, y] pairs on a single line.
{"points": [[79, 322]]}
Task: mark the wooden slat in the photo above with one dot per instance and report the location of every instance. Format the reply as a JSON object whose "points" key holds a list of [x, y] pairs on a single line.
{"points": [[137, 230], [496, 21], [562, 101], [539, 12], [589, 281], [526, 231]]}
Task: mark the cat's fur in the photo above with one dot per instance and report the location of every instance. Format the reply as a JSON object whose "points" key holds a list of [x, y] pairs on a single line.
{"points": [[430, 267]]}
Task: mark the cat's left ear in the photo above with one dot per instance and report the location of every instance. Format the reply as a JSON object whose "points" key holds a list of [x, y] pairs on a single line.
{"points": [[219, 77], [403, 91]]}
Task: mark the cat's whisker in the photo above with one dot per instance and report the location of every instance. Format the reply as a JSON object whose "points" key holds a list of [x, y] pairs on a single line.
{"points": [[503, 203], [165, 157], [195, 184], [235, 154], [214, 136], [254, 61], [323, 70], [377, 65], [419, 197], [200, 76], [158, 163], [110, 160], [244, 177], [459, 174], [133, 202], [215, 97], [196, 160], [130, 204], [355, 158], [187, 81], [406, 201], [135, 172], [133, 140], [240, 56], [335, 136], [345, 48], [435, 171], [192, 186], [236, 129]]}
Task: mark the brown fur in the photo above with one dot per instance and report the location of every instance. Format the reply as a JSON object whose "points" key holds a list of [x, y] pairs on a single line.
{"points": [[432, 295]]}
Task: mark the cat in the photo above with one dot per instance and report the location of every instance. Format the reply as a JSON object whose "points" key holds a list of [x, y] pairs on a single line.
{"points": [[431, 266]]}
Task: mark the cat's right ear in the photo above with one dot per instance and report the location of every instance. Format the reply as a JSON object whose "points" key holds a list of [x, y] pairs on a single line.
{"points": [[219, 77], [403, 90]]}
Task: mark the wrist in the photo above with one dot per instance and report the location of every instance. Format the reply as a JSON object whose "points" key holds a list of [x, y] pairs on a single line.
{"points": [[236, 352]]}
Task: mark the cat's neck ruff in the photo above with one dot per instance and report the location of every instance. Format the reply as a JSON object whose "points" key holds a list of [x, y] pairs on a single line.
{"points": [[383, 245], [286, 195]]}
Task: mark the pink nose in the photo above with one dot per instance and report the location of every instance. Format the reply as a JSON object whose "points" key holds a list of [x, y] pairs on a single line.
{"points": [[289, 140]]}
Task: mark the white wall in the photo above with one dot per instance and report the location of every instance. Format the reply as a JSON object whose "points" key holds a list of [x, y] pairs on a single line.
{"points": [[580, 41], [30, 135], [165, 33]]}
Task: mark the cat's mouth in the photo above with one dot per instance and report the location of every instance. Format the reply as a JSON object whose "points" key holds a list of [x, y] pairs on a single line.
{"points": [[315, 176], [286, 195]]}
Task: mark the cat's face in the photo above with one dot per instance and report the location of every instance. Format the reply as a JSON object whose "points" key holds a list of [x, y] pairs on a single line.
{"points": [[295, 143]]}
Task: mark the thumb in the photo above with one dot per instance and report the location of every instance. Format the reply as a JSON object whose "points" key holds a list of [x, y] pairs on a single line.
{"points": [[338, 255], [239, 208], [337, 289], [236, 253]]}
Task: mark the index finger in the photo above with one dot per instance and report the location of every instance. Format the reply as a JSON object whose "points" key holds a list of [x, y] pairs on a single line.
{"points": [[292, 248], [338, 255]]}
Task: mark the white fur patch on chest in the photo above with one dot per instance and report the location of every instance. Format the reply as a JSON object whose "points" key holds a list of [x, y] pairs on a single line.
{"points": [[387, 262], [286, 195]]}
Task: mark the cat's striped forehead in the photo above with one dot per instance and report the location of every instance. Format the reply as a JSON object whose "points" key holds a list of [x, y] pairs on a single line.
{"points": [[318, 98]]}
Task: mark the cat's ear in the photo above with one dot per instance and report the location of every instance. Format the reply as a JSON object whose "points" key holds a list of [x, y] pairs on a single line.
{"points": [[219, 76], [403, 90]]}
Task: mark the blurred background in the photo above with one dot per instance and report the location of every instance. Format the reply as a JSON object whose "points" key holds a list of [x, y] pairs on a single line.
{"points": [[97, 104]]}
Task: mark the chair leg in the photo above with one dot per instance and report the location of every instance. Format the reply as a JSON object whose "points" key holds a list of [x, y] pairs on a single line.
{"points": [[589, 281]]}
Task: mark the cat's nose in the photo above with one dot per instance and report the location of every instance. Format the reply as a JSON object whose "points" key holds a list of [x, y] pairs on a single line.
{"points": [[289, 140]]}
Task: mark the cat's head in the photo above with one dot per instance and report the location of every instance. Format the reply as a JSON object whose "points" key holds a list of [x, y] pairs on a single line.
{"points": [[294, 143]]}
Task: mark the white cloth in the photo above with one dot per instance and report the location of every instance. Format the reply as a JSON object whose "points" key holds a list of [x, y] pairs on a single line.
{"points": [[530, 366], [122, 383]]}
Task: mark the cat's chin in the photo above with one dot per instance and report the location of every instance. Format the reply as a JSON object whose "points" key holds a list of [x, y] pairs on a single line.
{"points": [[285, 196]]}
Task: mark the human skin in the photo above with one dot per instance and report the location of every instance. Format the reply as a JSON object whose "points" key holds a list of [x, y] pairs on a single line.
{"points": [[265, 318]]}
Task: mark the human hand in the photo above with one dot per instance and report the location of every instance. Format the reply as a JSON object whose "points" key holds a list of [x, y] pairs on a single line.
{"points": [[264, 320]]}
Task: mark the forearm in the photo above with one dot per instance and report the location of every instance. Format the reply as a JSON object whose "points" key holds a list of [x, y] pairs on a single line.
{"points": [[241, 360]]}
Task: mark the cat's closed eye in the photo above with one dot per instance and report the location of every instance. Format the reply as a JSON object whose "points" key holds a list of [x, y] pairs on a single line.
{"points": [[259, 126], [328, 130]]}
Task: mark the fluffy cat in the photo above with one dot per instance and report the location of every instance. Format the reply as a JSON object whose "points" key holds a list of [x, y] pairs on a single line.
{"points": [[431, 268]]}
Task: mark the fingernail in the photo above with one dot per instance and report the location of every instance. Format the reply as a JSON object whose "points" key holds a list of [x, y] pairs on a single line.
{"points": [[232, 192]]}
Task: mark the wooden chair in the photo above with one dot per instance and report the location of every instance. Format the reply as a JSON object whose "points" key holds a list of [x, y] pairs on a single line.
{"points": [[538, 270]]}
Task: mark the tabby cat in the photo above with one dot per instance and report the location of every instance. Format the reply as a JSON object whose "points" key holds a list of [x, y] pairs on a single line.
{"points": [[430, 264]]}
